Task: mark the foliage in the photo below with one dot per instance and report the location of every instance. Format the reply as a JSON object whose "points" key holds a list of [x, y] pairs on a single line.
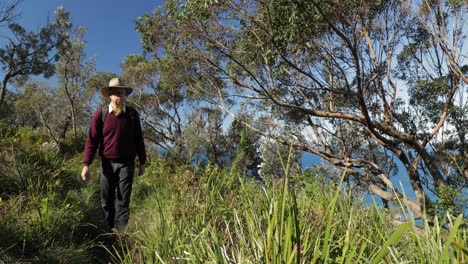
{"points": [[319, 76], [28, 53], [200, 215], [31, 159], [73, 71], [361, 84], [274, 156], [45, 217], [215, 216], [244, 144]]}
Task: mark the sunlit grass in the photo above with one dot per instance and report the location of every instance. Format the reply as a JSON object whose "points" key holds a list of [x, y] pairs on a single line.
{"points": [[188, 215], [223, 218]]}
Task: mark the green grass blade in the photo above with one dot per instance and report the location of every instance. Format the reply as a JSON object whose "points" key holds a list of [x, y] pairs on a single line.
{"points": [[394, 238], [444, 257], [331, 212]]}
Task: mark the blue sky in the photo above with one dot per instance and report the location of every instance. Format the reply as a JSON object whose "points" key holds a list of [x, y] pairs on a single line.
{"points": [[111, 34]]}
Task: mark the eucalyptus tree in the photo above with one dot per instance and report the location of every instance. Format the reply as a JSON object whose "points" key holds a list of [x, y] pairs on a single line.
{"points": [[169, 105], [243, 147], [31, 95], [73, 71], [159, 98], [8, 12], [41, 99], [28, 53], [364, 84], [205, 135]]}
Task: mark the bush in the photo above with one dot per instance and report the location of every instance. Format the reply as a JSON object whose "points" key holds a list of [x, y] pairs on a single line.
{"points": [[46, 214]]}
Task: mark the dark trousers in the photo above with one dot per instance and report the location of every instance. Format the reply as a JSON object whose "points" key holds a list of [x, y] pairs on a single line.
{"points": [[116, 187]]}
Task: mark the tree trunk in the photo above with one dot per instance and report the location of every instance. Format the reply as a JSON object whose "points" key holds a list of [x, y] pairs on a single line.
{"points": [[75, 136], [72, 106], [3, 88]]}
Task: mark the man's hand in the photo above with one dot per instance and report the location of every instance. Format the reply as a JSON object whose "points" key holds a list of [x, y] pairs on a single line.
{"points": [[141, 169], [85, 173]]}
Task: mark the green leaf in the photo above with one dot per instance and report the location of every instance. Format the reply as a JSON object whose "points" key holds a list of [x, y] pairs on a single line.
{"points": [[394, 238], [444, 258]]}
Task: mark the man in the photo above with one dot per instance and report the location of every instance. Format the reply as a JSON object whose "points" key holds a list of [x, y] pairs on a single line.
{"points": [[116, 132]]}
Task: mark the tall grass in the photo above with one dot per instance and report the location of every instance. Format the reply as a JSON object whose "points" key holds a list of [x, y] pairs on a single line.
{"points": [[188, 215], [212, 216], [45, 213]]}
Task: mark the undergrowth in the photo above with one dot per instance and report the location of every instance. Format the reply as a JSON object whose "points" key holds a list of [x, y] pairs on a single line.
{"points": [[182, 214]]}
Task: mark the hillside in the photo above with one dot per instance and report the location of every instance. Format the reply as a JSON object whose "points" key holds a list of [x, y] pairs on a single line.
{"points": [[200, 215]]}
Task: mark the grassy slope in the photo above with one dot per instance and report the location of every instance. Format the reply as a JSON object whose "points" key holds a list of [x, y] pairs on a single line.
{"points": [[200, 216]]}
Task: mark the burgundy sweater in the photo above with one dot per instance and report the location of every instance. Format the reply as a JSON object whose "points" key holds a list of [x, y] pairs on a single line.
{"points": [[121, 135]]}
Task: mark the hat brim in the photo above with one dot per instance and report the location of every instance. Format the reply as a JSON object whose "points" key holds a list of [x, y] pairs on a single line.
{"points": [[105, 90]]}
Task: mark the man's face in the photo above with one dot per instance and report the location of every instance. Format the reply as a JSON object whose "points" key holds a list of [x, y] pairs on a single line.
{"points": [[117, 95]]}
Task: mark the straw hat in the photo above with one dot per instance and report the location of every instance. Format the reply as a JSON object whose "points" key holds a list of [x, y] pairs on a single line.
{"points": [[115, 83]]}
